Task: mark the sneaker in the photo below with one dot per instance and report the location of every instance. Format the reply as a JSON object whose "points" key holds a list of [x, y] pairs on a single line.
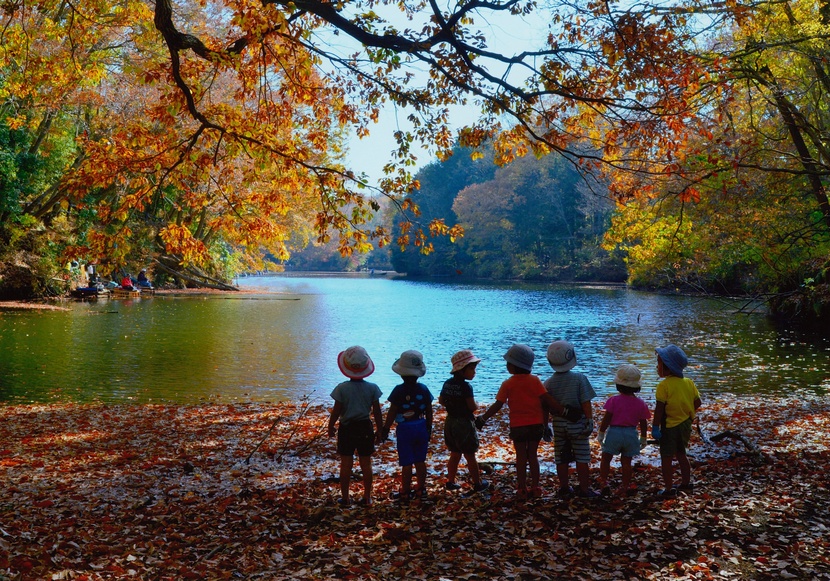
{"points": [[588, 493], [452, 486], [668, 493], [686, 487], [521, 493], [565, 492], [482, 486]]}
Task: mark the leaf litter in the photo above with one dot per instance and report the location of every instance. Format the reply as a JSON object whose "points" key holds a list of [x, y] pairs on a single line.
{"points": [[93, 492]]}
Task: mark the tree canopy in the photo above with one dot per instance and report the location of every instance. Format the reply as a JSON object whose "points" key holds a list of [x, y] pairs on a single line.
{"points": [[206, 135]]}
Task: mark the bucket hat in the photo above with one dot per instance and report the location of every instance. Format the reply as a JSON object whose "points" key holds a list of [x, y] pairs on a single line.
{"points": [[462, 359], [561, 356], [628, 375], [521, 356], [674, 359], [355, 363], [410, 363]]}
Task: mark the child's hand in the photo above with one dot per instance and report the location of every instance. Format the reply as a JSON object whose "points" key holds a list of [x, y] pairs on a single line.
{"points": [[479, 423], [643, 442], [655, 432], [547, 435], [587, 428], [601, 437]]}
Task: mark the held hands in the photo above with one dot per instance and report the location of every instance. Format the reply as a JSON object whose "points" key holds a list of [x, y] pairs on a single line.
{"points": [[655, 432], [479, 423], [587, 427], [547, 435]]}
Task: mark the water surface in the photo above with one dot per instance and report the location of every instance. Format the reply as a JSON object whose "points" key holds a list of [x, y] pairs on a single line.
{"points": [[280, 340]]}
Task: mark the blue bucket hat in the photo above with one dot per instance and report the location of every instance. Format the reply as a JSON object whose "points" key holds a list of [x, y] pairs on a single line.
{"points": [[674, 360]]}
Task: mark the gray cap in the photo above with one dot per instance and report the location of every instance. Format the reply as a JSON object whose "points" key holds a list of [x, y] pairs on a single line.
{"points": [[521, 356], [561, 356]]}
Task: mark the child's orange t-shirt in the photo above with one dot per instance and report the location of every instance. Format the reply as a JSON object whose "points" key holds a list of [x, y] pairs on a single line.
{"points": [[521, 393]]}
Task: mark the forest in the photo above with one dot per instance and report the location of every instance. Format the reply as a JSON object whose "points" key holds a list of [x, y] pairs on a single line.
{"points": [[676, 146]]}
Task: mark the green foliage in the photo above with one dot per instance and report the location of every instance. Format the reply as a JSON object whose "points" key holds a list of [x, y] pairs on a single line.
{"points": [[531, 219]]}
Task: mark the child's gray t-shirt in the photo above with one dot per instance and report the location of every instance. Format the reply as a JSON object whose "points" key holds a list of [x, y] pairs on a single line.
{"points": [[356, 397], [570, 388]]}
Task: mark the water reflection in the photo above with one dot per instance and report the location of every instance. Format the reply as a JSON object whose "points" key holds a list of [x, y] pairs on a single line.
{"points": [[280, 340]]}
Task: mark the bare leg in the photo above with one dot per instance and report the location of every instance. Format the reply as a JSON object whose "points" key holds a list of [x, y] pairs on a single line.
{"points": [[667, 469], [346, 463], [406, 480], [533, 463], [452, 466], [562, 471], [421, 475], [366, 467], [521, 465], [604, 469], [583, 473], [627, 471], [472, 466], [685, 468]]}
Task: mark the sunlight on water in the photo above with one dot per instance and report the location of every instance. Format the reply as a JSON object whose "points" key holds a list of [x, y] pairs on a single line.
{"points": [[280, 340]]}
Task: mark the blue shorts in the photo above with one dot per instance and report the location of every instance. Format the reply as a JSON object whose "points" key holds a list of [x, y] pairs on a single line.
{"points": [[413, 442], [624, 440]]}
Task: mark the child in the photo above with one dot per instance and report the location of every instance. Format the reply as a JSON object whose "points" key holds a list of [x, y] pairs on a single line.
{"points": [[570, 434], [459, 427], [624, 413], [355, 401], [677, 401], [411, 407], [525, 396]]}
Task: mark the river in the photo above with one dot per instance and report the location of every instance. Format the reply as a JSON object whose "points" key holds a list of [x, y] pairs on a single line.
{"points": [[279, 340]]}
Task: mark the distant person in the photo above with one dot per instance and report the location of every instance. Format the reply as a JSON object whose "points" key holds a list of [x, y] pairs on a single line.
{"points": [[677, 402], [127, 283], [624, 414], [571, 433], [460, 434], [411, 407], [355, 403], [143, 281], [525, 397]]}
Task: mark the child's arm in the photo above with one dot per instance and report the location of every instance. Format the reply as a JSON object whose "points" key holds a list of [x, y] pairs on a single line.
{"points": [[428, 416], [335, 415], [471, 404], [587, 409], [698, 403], [603, 426], [657, 421], [549, 404], [606, 422], [383, 432], [643, 434], [491, 411], [377, 413]]}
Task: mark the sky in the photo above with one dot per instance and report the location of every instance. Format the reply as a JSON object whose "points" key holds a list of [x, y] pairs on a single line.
{"points": [[371, 153]]}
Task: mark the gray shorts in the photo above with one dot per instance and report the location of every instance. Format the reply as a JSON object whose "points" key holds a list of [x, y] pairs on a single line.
{"points": [[568, 444], [460, 435], [675, 440]]}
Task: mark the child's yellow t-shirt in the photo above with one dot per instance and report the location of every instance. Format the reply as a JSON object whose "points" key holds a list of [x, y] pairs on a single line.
{"points": [[679, 394]]}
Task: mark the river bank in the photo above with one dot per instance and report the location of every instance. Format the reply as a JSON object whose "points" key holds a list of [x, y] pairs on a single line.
{"points": [[249, 491]]}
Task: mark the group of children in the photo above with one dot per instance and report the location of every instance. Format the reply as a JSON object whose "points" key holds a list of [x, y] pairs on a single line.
{"points": [[557, 410]]}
